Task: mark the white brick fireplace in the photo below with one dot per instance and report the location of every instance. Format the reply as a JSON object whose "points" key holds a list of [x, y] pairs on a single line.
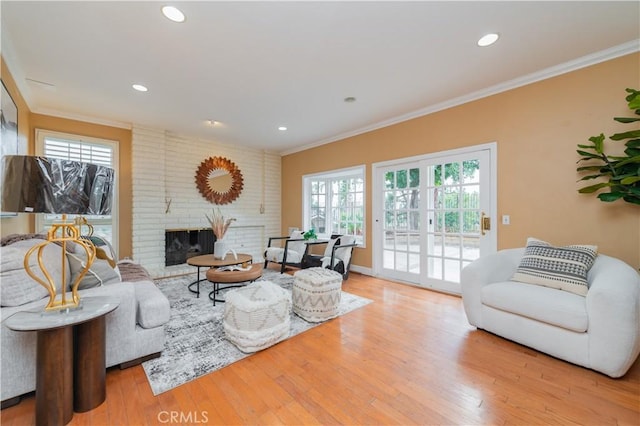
{"points": [[165, 196]]}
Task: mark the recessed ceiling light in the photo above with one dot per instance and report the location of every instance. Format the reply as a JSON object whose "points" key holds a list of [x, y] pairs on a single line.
{"points": [[350, 99], [282, 128], [211, 123], [139, 87], [488, 40], [173, 13]]}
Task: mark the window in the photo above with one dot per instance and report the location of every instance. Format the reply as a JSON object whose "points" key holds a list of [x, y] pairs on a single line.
{"points": [[87, 150], [334, 203]]}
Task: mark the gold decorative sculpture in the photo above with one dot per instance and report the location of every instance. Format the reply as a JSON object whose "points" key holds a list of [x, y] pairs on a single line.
{"points": [[219, 180], [61, 233]]}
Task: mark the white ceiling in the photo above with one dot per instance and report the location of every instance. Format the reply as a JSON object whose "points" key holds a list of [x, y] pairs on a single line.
{"points": [[254, 66]]}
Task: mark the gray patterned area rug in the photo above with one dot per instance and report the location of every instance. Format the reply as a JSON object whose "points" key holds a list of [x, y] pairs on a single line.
{"points": [[195, 337]]}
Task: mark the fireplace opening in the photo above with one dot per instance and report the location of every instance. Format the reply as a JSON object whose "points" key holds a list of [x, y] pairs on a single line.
{"points": [[181, 244]]}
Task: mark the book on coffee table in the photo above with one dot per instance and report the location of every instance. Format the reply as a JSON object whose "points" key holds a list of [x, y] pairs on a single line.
{"points": [[234, 268]]}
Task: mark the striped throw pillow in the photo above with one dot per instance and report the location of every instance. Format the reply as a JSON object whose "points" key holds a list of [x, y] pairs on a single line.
{"points": [[564, 268]]}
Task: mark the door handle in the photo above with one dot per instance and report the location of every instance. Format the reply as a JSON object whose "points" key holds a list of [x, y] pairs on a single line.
{"points": [[485, 223]]}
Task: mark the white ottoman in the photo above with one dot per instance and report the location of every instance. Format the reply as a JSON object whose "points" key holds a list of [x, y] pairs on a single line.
{"points": [[257, 316], [316, 294]]}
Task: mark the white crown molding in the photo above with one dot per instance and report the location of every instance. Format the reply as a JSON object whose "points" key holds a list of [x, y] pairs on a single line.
{"points": [[83, 118], [576, 64]]}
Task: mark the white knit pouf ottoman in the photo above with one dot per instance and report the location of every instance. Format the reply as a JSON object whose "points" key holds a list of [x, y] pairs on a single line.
{"points": [[316, 294], [257, 316]]}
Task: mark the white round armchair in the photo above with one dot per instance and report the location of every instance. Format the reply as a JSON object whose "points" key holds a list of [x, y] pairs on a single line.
{"points": [[600, 331]]}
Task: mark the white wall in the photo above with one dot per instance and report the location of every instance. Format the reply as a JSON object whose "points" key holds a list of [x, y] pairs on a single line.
{"points": [[164, 167]]}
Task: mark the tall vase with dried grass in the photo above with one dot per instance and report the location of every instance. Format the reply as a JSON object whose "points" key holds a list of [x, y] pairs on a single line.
{"points": [[219, 226]]}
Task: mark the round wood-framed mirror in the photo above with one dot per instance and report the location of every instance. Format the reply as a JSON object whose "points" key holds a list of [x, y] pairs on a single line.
{"points": [[219, 180]]}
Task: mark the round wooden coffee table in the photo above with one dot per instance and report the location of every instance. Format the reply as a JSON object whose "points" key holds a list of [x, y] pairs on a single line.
{"points": [[209, 261], [231, 278]]}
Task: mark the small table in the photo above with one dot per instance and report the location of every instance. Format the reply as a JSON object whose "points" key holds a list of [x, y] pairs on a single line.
{"points": [[316, 242], [307, 255], [231, 279], [70, 359], [209, 261]]}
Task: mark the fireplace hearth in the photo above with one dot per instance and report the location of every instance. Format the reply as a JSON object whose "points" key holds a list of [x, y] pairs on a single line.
{"points": [[182, 244]]}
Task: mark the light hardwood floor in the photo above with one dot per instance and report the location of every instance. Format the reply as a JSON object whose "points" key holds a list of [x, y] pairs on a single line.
{"points": [[408, 358]]}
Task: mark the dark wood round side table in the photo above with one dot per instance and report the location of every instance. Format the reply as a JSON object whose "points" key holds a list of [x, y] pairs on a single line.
{"points": [[209, 261], [70, 359]]}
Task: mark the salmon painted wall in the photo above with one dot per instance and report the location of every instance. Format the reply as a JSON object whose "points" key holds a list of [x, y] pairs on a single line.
{"points": [[123, 137], [537, 128], [21, 223]]}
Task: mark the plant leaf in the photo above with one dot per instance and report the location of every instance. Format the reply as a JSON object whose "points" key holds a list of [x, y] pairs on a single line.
{"points": [[635, 191], [590, 168], [593, 188], [626, 119], [635, 159], [632, 199], [626, 135], [623, 176], [593, 161], [632, 152], [622, 172], [598, 142], [632, 95], [629, 180], [635, 103], [633, 143], [588, 154], [590, 177], [610, 196], [633, 99]]}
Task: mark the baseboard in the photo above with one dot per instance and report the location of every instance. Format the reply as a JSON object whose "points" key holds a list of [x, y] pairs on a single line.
{"points": [[140, 360], [10, 402], [361, 270]]}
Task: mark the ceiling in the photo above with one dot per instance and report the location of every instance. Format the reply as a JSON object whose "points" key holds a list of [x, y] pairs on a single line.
{"points": [[255, 66]]}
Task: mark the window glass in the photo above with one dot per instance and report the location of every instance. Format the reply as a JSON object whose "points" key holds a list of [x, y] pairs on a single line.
{"points": [[334, 203]]}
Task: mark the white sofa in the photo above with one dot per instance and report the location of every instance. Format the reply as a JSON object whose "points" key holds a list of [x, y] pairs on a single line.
{"points": [[134, 331], [600, 331]]}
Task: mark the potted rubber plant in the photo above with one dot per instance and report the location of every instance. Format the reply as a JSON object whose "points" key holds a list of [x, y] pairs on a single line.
{"points": [[621, 174]]}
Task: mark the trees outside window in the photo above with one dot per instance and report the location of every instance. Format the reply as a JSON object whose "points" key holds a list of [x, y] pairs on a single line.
{"points": [[334, 203]]}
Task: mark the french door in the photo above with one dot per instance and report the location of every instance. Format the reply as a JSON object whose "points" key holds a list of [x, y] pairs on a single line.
{"points": [[433, 216]]}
